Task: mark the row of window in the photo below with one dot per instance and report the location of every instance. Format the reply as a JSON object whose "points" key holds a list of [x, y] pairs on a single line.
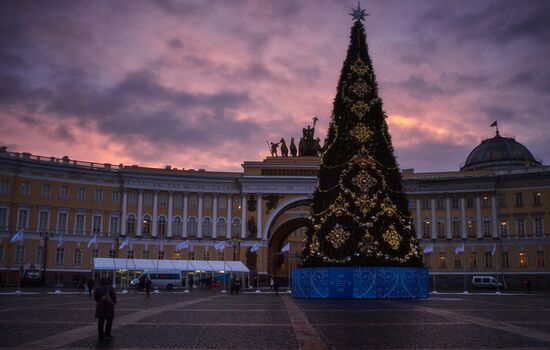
{"points": [[207, 200], [485, 201], [177, 226], [472, 260], [63, 194], [81, 195], [114, 224], [78, 255], [62, 221], [486, 227]]}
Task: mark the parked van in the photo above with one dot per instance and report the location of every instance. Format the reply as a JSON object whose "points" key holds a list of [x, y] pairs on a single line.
{"points": [[486, 282], [32, 275], [160, 279]]}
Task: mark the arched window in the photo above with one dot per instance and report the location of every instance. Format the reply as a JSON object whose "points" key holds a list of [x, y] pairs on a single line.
{"points": [[192, 227], [236, 228], [131, 225], [176, 226], [221, 229], [441, 229], [161, 230], [426, 229], [207, 227], [471, 228], [146, 225]]}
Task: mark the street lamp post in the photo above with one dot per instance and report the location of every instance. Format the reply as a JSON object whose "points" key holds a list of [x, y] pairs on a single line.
{"points": [[116, 247], [496, 274], [45, 257], [236, 246], [116, 256], [464, 272], [236, 253]]}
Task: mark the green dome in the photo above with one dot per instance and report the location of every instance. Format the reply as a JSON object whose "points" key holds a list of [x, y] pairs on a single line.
{"points": [[499, 153]]}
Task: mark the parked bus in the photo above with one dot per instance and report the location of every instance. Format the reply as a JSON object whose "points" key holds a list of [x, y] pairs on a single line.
{"points": [[160, 279]]}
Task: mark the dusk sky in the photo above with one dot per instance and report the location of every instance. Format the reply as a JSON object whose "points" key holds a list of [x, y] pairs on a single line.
{"points": [[204, 84]]}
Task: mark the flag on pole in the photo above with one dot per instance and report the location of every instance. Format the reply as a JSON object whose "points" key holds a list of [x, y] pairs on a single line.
{"points": [[60, 241], [429, 249], [459, 249], [494, 249], [286, 248], [220, 246], [495, 123], [18, 236], [123, 244], [255, 247], [182, 245], [92, 241]]}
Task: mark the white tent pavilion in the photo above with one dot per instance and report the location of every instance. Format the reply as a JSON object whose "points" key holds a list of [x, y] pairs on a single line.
{"points": [[110, 267]]}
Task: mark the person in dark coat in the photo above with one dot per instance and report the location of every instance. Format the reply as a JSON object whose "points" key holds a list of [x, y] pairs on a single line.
{"points": [[90, 286], [238, 284], [276, 287], [148, 284], [105, 298]]}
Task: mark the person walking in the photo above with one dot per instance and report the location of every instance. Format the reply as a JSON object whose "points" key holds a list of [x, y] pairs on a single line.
{"points": [[90, 286], [232, 286], [147, 286], [238, 285], [276, 287], [105, 297], [271, 283]]}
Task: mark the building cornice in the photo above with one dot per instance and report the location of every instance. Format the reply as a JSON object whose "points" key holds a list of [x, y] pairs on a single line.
{"points": [[182, 183], [279, 184]]}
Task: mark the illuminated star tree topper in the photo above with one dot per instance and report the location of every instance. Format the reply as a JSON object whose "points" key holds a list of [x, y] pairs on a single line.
{"points": [[359, 14]]}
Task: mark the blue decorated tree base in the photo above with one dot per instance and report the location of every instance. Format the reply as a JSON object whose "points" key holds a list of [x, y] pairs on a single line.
{"points": [[360, 282]]}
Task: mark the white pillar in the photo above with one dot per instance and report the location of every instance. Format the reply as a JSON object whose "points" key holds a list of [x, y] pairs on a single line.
{"points": [[418, 219], [215, 215], [479, 223], [494, 223], [448, 217], [243, 215], [185, 213], [199, 217], [170, 203], [259, 231], [229, 215], [139, 219], [155, 213], [124, 214], [433, 219], [463, 218]]}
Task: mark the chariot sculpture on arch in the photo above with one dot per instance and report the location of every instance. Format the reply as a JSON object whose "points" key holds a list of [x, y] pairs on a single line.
{"points": [[309, 145]]}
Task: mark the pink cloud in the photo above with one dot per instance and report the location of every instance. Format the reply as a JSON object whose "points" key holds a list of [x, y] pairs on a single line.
{"points": [[201, 86]]}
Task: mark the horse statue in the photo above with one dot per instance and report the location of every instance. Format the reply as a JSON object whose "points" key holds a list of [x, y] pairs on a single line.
{"points": [[293, 149], [284, 148]]}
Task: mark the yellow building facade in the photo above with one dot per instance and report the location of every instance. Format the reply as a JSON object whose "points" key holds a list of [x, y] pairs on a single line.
{"points": [[496, 208]]}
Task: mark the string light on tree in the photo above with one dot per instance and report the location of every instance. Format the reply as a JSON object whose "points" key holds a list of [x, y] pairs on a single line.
{"points": [[360, 213]]}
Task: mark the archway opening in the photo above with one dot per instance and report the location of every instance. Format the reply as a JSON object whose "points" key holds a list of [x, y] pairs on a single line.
{"points": [[281, 263], [289, 226]]}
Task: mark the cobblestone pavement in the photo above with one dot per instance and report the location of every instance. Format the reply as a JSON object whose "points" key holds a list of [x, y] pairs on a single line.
{"points": [[212, 320]]}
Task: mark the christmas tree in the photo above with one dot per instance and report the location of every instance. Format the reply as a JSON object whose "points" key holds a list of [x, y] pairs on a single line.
{"points": [[360, 214]]}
